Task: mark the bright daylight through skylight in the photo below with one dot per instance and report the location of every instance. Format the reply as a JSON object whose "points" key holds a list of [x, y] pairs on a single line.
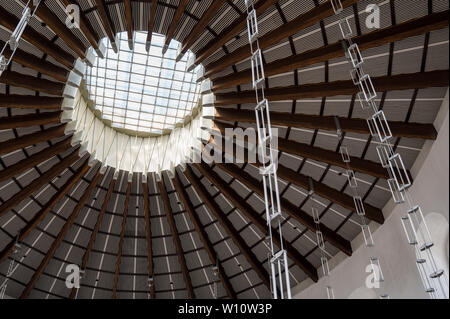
{"points": [[142, 91]]}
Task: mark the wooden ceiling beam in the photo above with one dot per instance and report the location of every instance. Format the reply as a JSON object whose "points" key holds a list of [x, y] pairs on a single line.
{"points": [[409, 81], [302, 181], [35, 159], [85, 26], [328, 123], [107, 24], [129, 21], [329, 193], [151, 24], [373, 39], [199, 228], [122, 236], [148, 235], [228, 226], [176, 238], [54, 23], [325, 156], [32, 36], [200, 26], [32, 83], [63, 232], [294, 26], [231, 31], [95, 231], [333, 158], [30, 102], [257, 220], [16, 121], [11, 145], [174, 24], [33, 62], [37, 183], [298, 214], [46, 208]]}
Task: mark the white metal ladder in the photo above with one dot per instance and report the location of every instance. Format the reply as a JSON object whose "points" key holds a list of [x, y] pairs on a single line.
{"points": [[278, 262]]}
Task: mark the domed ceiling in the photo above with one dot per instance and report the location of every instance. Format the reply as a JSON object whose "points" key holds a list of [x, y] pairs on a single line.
{"points": [[199, 231]]}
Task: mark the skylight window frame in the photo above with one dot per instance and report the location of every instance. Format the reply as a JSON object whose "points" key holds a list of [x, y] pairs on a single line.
{"points": [[168, 95]]}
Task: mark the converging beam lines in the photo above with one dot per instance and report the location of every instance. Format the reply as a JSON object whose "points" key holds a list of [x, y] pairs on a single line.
{"points": [[176, 238], [61, 236]]}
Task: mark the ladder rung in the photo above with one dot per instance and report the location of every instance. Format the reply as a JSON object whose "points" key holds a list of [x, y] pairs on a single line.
{"points": [[254, 36], [426, 246], [437, 274], [273, 217], [277, 256], [258, 81], [261, 104], [266, 170]]}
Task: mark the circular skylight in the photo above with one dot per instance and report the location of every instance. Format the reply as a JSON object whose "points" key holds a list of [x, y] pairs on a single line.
{"points": [[142, 91]]}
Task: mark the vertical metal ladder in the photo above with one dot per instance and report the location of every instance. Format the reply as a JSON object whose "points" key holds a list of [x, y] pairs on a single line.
{"points": [[414, 223], [278, 262]]}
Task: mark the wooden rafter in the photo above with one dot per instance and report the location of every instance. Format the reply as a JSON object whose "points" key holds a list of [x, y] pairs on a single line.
{"points": [[148, 235], [85, 26], [32, 83], [122, 236], [107, 24], [257, 220], [63, 232], [37, 183], [332, 158], [203, 236], [176, 238], [151, 24], [95, 232], [382, 84], [174, 24], [11, 145], [294, 26], [323, 155], [33, 62], [301, 216], [54, 23], [231, 31], [328, 123], [303, 181], [329, 193], [35, 159], [30, 102], [16, 121], [228, 226], [129, 20], [200, 26], [46, 208], [373, 39], [10, 21]]}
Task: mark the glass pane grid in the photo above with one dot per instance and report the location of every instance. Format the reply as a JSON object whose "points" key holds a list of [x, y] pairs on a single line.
{"points": [[140, 91]]}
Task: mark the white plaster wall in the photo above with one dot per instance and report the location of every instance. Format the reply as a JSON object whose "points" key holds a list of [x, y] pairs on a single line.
{"points": [[431, 191]]}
